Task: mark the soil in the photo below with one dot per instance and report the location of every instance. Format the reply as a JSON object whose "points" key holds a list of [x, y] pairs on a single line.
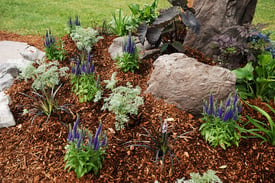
{"points": [[37, 154]]}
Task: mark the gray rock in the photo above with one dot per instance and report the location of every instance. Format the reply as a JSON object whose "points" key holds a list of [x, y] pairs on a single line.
{"points": [[14, 56], [184, 81], [6, 117], [115, 48], [216, 17]]}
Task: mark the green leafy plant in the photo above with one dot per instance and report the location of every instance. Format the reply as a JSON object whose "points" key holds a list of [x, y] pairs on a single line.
{"points": [[159, 143], [44, 104], [53, 49], [84, 157], [168, 22], [148, 14], [46, 75], [268, 130], [129, 60], [207, 177], [257, 80], [85, 38], [123, 101], [220, 127], [84, 82], [121, 25]]}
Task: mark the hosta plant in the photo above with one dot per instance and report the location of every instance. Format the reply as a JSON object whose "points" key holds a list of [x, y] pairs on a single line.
{"points": [[220, 126], [83, 80], [129, 60], [82, 155], [44, 104], [123, 101], [257, 80], [267, 129], [53, 49], [85, 39], [46, 75], [159, 142]]}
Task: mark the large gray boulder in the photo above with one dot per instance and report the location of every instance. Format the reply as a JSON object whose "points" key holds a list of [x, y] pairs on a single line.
{"points": [[216, 18], [14, 56], [181, 80]]}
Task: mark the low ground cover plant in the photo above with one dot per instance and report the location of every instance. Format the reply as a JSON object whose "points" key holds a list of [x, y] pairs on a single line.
{"points": [[85, 83], [220, 126], [123, 101], [46, 75], [159, 142], [129, 60], [84, 156], [53, 49], [85, 39]]}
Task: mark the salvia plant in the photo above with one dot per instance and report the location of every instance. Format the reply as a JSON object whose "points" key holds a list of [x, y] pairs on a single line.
{"points": [[267, 130], [123, 101], [82, 155], [85, 38], [45, 104], [71, 24], [220, 122], [84, 82], [53, 49], [160, 142], [129, 60], [46, 75]]}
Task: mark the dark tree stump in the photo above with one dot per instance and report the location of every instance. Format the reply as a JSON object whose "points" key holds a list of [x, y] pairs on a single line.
{"points": [[217, 17]]}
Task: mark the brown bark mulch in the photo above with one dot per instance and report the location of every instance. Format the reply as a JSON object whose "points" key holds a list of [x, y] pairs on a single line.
{"points": [[37, 154]]}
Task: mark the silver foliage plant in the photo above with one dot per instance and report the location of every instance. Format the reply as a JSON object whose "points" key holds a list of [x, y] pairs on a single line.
{"points": [[46, 75], [123, 101]]}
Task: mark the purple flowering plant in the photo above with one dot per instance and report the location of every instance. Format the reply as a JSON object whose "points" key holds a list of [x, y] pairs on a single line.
{"points": [[53, 49], [129, 60], [85, 83], [72, 24], [160, 142], [85, 155], [220, 127]]}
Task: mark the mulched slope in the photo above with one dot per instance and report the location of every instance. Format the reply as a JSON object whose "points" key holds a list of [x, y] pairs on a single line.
{"points": [[36, 154]]}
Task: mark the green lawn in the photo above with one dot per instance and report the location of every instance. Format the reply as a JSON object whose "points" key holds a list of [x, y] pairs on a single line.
{"points": [[35, 16]]}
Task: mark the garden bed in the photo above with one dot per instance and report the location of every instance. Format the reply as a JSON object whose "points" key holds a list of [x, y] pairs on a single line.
{"points": [[37, 154]]}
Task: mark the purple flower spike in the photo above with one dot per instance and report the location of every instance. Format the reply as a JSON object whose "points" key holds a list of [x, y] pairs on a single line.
{"points": [[96, 139], [83, 68], [89, 58], [77, 22], [92, 68], [205, 107], [104, 141], [73, 70], [228, 102], [75, 131], [220, 111], [235, 99], [70, 135], [228, 115], [211, 104], [70, 23]]}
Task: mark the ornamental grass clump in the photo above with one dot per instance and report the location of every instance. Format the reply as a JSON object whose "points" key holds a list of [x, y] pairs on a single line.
{"points": [[129, 60], [53, 49], [82, 155], [220, 127], [83, 80], [160, 142]]}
